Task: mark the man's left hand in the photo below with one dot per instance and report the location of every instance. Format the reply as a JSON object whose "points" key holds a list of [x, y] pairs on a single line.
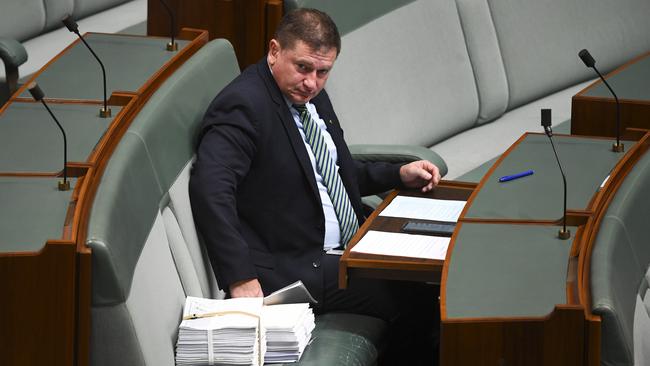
{"points": [[421, 174]]}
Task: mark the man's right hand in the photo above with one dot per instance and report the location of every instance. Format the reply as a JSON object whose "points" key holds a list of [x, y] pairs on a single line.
{"points": [[246, 288]]}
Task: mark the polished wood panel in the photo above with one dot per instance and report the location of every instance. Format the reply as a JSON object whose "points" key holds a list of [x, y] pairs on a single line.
{"points": [[45, 309], [247, 24], [37, 310], [554, 340], [596, 116]]}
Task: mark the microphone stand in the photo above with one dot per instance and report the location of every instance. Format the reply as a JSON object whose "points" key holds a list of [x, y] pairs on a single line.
{"points": [[589, 61], [171, 46], [563, 233], [617, 146], [74, 28], [38, 95]]}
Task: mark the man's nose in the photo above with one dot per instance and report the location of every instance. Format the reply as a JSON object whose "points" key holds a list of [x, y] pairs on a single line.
{"points": [[310, 81]]}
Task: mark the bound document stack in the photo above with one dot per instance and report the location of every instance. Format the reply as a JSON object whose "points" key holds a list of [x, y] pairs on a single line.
{"points": [[221, 332], [288, 331]]}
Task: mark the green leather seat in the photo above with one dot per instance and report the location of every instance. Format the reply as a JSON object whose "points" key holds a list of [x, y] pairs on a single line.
{"points": [[147, 256], [620, 272], [344, 339], [12, 55]]}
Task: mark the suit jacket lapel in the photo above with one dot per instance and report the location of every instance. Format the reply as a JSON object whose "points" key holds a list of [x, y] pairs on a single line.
{"points": [[289, 125]]}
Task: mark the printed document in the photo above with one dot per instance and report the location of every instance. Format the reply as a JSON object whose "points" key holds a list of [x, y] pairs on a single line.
{"points": [[403, 245], [424, 209]]}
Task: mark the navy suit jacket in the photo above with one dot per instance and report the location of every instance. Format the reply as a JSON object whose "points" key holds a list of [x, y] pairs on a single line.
{"points": [[253, 191]]}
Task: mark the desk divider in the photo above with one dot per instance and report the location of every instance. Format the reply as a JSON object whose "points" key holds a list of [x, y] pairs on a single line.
{"points": [[54, 277], [593, 109]]}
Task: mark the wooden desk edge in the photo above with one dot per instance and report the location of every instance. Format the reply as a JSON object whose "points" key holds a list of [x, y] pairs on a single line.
{"points": [[351, 260]]}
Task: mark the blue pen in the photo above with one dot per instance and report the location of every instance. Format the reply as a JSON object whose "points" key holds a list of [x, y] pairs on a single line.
{"points": [[507, 178]]}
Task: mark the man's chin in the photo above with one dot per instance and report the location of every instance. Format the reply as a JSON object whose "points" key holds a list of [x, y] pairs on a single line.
{"points": [[299, 99]]}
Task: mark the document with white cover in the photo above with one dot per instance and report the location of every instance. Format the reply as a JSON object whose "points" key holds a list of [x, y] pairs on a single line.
{"points": [[288, 331], [403, 245], [221, 332], [242, 331], [424, 209], [291, 294]]}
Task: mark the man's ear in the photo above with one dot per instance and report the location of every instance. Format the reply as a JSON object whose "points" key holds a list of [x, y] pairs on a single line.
{"points": [[274, 51]]}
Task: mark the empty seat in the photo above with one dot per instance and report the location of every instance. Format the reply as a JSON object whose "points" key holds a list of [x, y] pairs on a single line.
{"points": [[620, 263]]}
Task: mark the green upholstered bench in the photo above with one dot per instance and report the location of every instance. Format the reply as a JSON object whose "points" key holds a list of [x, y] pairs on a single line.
{"points": [[37, 24], [147, 256], [344, 339], [620, 272], [12, 55], [463, 77]]}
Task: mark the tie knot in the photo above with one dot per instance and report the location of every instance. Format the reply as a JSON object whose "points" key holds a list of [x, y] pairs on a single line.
{"points": [[301, 108]]}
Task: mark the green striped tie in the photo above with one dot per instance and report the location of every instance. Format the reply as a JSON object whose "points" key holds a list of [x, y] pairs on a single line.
{"points": [[327, 169]]}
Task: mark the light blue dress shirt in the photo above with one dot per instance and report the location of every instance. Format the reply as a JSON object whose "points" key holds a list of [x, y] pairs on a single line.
{"points": [[332, 229]]}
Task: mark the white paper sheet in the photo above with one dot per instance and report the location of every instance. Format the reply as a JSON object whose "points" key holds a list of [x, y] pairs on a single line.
{"points": [[403, 245], [424, 209]]}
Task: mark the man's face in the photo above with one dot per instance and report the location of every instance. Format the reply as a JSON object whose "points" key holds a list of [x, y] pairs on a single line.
{"points": [[300, 72]]}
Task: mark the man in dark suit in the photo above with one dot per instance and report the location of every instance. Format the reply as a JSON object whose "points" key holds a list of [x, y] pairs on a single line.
{"points": [[274, 185]]}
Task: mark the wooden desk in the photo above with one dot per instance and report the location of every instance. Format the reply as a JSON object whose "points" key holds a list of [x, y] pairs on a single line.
{"points": [[45, 265], [399, 268], [593, 110], [247, 24], [511, 291]]}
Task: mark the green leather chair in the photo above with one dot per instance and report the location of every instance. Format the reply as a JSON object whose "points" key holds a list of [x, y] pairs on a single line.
{"points": [[147, 256], [12, 54], [620, 272]]}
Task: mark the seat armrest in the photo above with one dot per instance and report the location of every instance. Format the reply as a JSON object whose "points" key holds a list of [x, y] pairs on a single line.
{"points": [[397, 154], [13, 54]]}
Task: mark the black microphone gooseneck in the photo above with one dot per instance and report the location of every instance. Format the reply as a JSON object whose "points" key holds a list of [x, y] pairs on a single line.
{"points": [[74, 28], [589, 61], [546, 123], [38, 95], [171, 46]]}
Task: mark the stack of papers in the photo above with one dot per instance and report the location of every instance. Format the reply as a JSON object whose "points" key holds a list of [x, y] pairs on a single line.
{"points": [[403, 245], [223, 332], [288, 331], [244, 331], [424, 209]]}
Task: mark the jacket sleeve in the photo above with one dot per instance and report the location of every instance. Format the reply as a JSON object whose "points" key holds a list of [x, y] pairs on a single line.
{"points": [[226, 148], [377, 177]]}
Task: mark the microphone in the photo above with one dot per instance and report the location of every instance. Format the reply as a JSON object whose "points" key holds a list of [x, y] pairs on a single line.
{"points": [[38, 95], [589, 61], [546, 123], [74, 28], [171, 46]]}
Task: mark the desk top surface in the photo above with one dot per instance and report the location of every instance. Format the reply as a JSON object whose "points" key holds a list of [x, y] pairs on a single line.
{"points": [[35, 211], [630, 83], [129, 61], [586, 163], [516, 270], [30, 140]]}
